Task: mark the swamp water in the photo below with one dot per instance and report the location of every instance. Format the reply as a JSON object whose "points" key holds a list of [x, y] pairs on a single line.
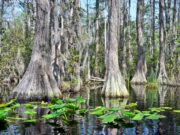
{"points": [[91, 125]]}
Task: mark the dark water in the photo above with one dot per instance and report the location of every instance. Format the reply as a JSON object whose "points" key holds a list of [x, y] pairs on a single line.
{"points": [[90, 125]]}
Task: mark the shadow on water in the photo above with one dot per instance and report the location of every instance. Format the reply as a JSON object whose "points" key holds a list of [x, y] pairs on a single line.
{"points": [[91, 125]]}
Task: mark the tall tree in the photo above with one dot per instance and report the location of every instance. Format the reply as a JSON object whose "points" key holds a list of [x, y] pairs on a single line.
{"points": [[97, 39], [139, 76], [162, 75], [1, 21], [129, 53], [114, 85], [173, 40], [152, 33], [38, 81]]}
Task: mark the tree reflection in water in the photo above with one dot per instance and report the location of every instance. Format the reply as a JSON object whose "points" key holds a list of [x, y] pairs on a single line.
{"points": [[140, 94], [91, 125]]}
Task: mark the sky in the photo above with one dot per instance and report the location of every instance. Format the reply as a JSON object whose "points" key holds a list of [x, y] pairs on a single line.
{"points": [[132, 10]]}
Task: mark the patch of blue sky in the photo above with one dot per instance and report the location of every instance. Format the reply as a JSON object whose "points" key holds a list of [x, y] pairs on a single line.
{"points": [[91, 3]]}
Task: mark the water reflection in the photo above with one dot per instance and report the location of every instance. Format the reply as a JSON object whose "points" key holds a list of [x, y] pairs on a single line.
{"points": [[162, 94], [151, 98], [140, 94], [90, 125]]}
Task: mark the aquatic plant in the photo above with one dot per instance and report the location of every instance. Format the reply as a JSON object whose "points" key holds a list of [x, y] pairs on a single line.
{"points": [[64, 110], [129, 114]]}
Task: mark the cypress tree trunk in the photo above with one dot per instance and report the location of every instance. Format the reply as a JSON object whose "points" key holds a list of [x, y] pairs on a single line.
{"points": [[114, 85], [1, 21], [96, 72], [139, 76], [162, 75], [173, 42], [38, 81]]}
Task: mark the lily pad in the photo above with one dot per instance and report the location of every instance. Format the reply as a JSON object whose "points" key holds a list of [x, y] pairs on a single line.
{"points": [[138, 117]]}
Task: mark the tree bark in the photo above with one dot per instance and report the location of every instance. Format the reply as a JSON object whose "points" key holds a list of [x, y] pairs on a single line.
{"points": [[114, 85], [97, 40], [162, 75], [55, 40], [27, 18], [1, 22], [152, 34], [129, 53], [38, 81], [124, 41], [140, 77], [173, 42]]}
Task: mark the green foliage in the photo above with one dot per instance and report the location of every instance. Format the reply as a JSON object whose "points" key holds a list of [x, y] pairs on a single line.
{"points": [[98, 111], [8, 103], [138, 116], [130, 113], [15, 47], [66, 109], [109, 118], [51, 116], [176, 111], [30, 112], [3, 115], [30, 121]]}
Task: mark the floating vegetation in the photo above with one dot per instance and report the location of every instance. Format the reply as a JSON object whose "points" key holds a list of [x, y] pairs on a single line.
{"points": [[128, 114], [65, 111]]}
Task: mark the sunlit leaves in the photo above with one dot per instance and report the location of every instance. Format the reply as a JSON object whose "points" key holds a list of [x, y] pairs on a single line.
{"points": [[128, 114], [109, 118], [98, 111], [138, 117], [8, 103], [65, 110], [51, 116], [30, 120], [176, 111], [30, 112]]}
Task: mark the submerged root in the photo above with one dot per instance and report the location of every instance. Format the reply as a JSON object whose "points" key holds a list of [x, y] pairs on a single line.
{"points": [[114, 87], [139, 78], [36, 85]]}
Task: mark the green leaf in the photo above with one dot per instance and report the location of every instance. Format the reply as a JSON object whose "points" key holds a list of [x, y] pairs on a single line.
{"points": [[154, 116], [30, 121], [28, 106], [82, 111], [14, 118], [30, 112], [128, 114], [72, 106], [70, 100], [131, 105], [136, 111], [8, 103], [176, 111], [138, 116], [146, 113], [109, 118], [15, 106], [3, 115], [56, 106], [98, 111], [114, 109], [56, 101], [157, 109], [51, 116], [80, 100]]}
